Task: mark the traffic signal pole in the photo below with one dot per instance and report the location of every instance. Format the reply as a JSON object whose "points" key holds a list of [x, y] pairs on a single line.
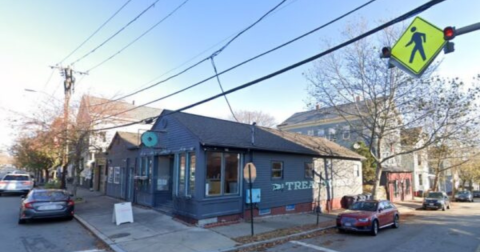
{"points": [[467, 29]]}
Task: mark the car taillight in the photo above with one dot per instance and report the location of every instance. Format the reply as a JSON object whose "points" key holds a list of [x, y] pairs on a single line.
{"points": [[71, 202], [28, 204], [3, 182], [27, 183]]}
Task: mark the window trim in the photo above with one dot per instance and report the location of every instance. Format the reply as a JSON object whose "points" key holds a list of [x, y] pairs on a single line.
{"points": [[271, 170]]}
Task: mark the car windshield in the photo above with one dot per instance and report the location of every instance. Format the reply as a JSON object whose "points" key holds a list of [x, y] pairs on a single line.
{"points": [[364, 206], [435, 195], [49, 196], [463, 193], [15, 177]]}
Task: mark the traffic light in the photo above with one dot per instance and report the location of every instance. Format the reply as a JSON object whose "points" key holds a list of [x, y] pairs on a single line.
{"points": [[386, 52], [449, 33]]}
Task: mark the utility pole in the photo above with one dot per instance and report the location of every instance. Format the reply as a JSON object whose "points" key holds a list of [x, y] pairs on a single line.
{"points": [[68, 87]]}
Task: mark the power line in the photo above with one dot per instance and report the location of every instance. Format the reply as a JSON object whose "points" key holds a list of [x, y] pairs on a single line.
{"points": [[221, 88], [288, 68], [139, 37], [240, 64], [116, 33], [95, 32], [216, 53]]}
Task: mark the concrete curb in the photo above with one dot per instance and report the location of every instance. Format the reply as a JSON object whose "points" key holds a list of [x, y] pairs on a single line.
{"points": [[111, 244], [248, 245]]}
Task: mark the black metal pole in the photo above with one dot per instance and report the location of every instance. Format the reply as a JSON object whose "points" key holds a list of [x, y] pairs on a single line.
{"points": [[251, 198]]}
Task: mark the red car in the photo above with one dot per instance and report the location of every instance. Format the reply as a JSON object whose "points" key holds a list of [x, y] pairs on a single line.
{"points": [[368, 216]]}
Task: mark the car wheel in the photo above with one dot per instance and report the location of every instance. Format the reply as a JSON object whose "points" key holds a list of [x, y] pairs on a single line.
{"points": [[448, 206], [374, 230], [443, 208], [70, 218], [396, 223], [21, 221], [341, 230]]}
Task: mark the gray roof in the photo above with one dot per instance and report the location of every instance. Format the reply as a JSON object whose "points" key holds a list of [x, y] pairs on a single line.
{"points": [[394, 169], [324, 113], [223, 133], [132, 140], [115, 107]]}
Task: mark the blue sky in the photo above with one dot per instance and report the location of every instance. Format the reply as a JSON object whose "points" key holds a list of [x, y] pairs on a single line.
{"points": [[37, 34]]}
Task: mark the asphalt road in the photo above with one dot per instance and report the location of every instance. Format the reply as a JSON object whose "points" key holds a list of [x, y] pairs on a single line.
{"points": [[457, 229], [40, 236]]}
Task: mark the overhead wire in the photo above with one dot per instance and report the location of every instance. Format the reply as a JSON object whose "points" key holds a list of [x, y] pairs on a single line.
{"points": [[221, 87], [204, 51], [295, 65], [138, 38], [115, 34], [95, 32], [244, 62], [216, 53]]}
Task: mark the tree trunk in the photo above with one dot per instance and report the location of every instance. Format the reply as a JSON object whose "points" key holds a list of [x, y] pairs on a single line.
{"points": [[376, 185], [435, 182]]}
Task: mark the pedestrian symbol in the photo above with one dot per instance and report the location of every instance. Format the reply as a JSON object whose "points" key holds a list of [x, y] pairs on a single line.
{"points": [[417, 38], [418, 46]]}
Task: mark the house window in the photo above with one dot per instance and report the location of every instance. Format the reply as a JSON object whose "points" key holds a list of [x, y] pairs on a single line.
{"points": [[277, 170], [110, 174], [331, 134], [395, 187], [191, 173], [310, 132], [420, 179], [222, 176], [181, 174], [356, 170], [346, 132], [308, 170], [103, 136], [407, 184], [419, 157], [321, 133]]}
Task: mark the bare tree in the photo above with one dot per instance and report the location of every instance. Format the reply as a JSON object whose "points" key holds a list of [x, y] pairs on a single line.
{"points": [[258, 117], [378, 102]]}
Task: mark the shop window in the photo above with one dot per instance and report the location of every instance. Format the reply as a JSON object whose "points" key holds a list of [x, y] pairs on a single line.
{"points": [[222, 176], [116, 175], [181, 174], [277, 170], [191, 173], [308, 170]]}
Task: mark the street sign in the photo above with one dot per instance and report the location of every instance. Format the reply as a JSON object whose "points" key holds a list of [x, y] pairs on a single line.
{"points": [[149, 139], [252, 175], [418, 46]]}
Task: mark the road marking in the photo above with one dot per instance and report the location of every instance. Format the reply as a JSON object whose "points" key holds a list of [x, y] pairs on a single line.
{"points": [[313, 246]]}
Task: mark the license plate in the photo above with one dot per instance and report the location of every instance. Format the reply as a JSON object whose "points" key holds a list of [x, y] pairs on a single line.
{"points": [[431, 204], [348, 224], [49, 207]]}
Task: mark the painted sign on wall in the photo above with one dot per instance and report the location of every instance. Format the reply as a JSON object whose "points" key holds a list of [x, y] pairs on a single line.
{"points": [[295, 185]]}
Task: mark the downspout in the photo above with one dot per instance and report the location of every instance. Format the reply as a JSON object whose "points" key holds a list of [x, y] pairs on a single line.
{"points": [[327, 177]]}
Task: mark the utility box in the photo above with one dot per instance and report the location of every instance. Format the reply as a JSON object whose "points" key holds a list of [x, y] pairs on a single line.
{"points": [[256, 196]]}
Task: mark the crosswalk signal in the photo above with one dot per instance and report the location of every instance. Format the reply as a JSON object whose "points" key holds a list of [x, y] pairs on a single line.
{"points": [[449, 33]]}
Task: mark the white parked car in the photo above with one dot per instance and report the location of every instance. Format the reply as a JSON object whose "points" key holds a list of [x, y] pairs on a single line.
{"points": [[16, 183]]}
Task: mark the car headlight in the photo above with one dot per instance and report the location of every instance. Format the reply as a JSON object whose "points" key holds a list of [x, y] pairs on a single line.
{"points": [[363, 220], [441, 201]]}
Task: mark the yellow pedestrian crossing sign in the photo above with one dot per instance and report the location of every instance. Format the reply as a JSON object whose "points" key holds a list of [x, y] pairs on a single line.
{"points": [[418, 46]]}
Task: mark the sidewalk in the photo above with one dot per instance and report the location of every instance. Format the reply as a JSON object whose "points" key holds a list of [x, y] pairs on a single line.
{"points": [[155, 231]]}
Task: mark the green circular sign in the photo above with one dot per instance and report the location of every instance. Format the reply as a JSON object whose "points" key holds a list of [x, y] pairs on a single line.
{"points": [[149, 139]]}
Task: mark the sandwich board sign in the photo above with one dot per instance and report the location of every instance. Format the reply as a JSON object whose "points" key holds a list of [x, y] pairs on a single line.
{"points": [[122, 213], [418, 46]]}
